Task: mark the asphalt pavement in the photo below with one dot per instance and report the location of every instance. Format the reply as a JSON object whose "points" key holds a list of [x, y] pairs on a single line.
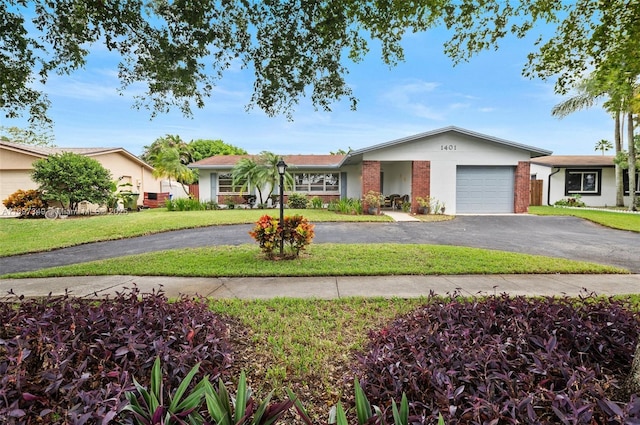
{"points": [[563, 237]]}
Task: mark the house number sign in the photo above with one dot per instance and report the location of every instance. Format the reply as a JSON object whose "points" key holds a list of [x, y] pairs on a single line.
{"points": [[447, 147]]}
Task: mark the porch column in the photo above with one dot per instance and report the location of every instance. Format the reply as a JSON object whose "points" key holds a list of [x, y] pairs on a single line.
{"points": [[522, 187], [370, 176], [420, 182]]}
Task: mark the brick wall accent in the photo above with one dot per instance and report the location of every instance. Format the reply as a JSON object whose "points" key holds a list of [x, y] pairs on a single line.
{"points": [[420, 182], [370, 177], [522, 187]]}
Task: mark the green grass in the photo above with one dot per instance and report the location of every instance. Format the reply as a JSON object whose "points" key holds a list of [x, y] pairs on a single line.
{"points": [[325, 260], [23, 236], [608, 218], [309, 345], [296, 342]]}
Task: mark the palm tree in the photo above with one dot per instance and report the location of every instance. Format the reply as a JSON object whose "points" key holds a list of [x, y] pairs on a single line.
{"points": [[268, 172], [260, 172], [244, 174], [167, 163], [603, 145], [588, 92]]}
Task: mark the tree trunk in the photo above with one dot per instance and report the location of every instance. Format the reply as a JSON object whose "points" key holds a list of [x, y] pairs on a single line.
{"points": [[632, 164], [618, 168]]}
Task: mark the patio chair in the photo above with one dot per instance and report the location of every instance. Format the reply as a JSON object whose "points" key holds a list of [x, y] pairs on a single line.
{"points": [[397, 202], [388, 200]]}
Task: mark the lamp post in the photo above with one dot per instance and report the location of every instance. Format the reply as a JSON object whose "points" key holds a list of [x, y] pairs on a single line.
{"points": [[282, 168]]}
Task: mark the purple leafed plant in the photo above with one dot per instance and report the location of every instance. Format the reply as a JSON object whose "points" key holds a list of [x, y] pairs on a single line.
{"points": [[504, 360], [70, 360]]}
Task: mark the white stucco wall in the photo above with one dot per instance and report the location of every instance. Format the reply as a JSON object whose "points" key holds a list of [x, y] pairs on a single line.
{"points": [[354, 180], [607, 195], [204, 184], [445, 152]]}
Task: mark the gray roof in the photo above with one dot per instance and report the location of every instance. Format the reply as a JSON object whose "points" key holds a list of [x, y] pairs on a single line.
{"points": [[355, 155], [569, 161]]}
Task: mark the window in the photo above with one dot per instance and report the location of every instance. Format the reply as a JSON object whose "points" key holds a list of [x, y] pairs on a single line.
{"points": [[625, 182], [225, 183], [583, 182], [316, 182]]}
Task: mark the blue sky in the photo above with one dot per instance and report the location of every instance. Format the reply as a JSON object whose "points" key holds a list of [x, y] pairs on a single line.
{"points": [[426, 92]]}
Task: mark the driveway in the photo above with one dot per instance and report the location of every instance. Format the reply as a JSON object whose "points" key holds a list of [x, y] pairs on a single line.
{"points": [[563, 237]]}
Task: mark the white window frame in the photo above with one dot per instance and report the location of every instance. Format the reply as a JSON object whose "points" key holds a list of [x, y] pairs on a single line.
{"points": [[310, 185], [222, 187]]}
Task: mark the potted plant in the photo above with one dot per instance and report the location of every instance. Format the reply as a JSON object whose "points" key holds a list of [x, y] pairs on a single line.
{"points": [[373, 200], [424, 204]]}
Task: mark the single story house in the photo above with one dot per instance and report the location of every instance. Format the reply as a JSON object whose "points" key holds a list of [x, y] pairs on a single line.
{"points": [[590, 176], [467, 171], [16, 165]]}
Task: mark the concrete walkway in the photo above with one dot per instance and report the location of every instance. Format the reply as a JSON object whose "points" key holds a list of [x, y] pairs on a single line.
{"points": [[327, 287], [400, 216]]}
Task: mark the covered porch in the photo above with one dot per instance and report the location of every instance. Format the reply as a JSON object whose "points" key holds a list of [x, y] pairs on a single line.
{"points": [[400, 182]]}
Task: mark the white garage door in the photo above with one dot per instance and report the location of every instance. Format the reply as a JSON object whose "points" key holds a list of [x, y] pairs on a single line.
{"points": [[484, 190]]}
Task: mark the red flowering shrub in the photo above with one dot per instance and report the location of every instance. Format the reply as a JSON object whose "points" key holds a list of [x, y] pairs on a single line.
{"points": [[297, 233]]}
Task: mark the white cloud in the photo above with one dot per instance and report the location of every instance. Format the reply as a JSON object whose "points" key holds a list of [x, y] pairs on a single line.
{"points": [[410, 98]]}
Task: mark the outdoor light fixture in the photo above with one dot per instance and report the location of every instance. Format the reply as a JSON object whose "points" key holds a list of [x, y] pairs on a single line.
{"points": [[282, 168]]}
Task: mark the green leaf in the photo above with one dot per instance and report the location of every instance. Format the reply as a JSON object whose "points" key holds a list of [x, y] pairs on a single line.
{"points": [[183, 387], [156, 385], [341, 416], [302, 412], [363, 407], [401, 417], [241, 398], [257, 417]]}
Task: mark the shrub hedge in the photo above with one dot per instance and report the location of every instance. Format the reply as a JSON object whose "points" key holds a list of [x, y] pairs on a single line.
{"points": [[504, 360], [71, 360]]}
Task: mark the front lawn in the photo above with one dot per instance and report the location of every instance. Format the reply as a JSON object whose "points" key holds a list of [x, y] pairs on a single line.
{"points": [[608, 218], [498, 357], [326, 260], [22, 236]]}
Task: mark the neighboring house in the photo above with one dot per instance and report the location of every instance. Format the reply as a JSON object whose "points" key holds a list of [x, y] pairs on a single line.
{"points": [[16, 165], [468, 171], [590, 176]]}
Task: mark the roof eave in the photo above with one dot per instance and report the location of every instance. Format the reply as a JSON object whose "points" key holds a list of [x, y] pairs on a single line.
{"points": [[533, 151]]}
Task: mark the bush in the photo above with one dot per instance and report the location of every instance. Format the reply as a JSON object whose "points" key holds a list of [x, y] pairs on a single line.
{"points": [[27, 203], [297, 200], [189, 204], [572, 201], [297, 233], [316, 203], [349, 206], [507, 360], [69, 360]]}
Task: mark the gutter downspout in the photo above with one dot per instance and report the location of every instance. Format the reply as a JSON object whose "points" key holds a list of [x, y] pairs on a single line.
{"points": [[549, 186]]}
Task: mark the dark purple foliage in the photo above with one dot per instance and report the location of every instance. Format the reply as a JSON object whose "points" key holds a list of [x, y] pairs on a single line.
{"points": [[504, 360], [70, 360]]}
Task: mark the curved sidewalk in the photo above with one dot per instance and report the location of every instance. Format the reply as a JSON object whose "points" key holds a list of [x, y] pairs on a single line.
{"points": [[330, 287]]}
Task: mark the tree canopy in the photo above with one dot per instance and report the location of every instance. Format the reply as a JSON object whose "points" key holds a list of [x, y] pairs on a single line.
{"points": [[179, 49], [26, 136], [204, 148], [70, 178]]}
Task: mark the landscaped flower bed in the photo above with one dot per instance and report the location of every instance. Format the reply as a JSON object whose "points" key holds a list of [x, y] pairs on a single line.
{"points": [[507, 360], [70, 360], [483, 360]]}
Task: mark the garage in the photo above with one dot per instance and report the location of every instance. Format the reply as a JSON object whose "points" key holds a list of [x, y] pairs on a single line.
{"points": [[484, 189]]}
